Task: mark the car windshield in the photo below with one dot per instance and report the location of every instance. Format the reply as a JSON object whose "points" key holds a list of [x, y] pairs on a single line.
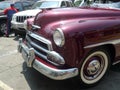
{"points": [[113, 4], [4, 5], [46, 4]]}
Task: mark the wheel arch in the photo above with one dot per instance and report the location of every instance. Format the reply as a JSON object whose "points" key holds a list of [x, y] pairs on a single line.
{"points": [[109, 49]]}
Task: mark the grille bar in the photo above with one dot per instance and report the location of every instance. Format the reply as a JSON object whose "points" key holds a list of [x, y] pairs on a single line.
{"points": [[32, 41], [39, 49], [42, 40], [22, 18]]}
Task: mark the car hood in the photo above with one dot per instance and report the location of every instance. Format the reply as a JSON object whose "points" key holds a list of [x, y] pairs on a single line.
{"points": [[69, 19], [28, 12], [72, 14]]}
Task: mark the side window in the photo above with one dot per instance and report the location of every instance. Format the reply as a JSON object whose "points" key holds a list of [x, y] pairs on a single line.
{"points": [[26, 5], [63, 4], [18, 5]]}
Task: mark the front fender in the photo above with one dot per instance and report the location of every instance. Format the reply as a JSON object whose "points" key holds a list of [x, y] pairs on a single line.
{"points": [[85, 33]]}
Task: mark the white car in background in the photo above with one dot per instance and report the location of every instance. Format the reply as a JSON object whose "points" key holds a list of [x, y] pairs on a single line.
{"points": [[19, 18]]}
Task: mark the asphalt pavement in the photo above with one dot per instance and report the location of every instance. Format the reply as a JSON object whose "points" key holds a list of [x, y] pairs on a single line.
{"points": [[15, 75]]}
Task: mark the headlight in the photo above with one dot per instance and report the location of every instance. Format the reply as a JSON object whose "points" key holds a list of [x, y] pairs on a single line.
{"points": [[58, 37], [14, 18]]}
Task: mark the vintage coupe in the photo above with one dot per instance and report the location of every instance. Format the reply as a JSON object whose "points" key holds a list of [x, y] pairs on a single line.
{"points": [[74, 42]]}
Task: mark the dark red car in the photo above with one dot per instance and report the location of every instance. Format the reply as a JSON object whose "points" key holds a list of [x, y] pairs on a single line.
{"points": [[74, 42]]}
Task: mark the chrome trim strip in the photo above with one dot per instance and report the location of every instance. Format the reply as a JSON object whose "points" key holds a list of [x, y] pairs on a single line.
{"points": [[45, 58], [114, 42], [56, 74], [116, 62], [32, 43], [35, 27], [3, 16], [42, 49], [39, 38]]}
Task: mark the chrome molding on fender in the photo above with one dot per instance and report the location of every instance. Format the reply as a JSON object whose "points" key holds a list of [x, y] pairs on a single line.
{"points": [[114, 42]]}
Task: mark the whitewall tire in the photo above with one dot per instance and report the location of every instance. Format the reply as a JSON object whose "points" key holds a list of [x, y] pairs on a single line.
{"points": [[94, 67]]}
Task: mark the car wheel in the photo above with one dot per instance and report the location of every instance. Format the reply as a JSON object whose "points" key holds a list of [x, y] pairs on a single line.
{"points": [[3, 27], [94, 67]]}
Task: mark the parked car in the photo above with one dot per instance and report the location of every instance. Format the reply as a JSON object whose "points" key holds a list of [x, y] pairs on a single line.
{"points": [[20, 5], [74, 42], [19, 18]]}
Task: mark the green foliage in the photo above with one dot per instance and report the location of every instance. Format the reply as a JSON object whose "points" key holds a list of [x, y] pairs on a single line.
{"points": [[77, 3]]}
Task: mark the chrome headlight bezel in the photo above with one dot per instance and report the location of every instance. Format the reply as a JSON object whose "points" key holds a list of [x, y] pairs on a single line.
{"points": [[58, 37]]}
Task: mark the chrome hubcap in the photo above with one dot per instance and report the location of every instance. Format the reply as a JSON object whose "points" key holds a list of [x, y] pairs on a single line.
{"points": [[93, 67]]}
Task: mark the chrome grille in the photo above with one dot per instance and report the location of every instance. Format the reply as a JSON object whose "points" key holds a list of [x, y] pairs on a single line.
{"points": [[22, 18], [41, 45]]}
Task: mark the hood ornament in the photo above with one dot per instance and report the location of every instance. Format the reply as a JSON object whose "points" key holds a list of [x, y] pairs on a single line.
{"points": [[35, 28]]}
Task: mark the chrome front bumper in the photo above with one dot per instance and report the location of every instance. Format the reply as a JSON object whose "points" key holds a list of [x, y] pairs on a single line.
{"points": [[56, 74]]}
